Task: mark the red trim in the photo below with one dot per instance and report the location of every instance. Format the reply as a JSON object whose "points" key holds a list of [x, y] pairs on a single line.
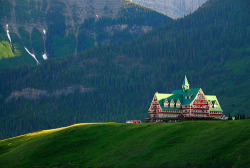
{"points": [[196, 117], [199, 113], [169, 113], [204, 108], [165, 113], [200, 104], [200, 99]]}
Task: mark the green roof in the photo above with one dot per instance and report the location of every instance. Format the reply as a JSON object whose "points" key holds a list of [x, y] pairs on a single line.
{"points": [[213, 99], [177, 95], [177, 92], [185, 97], [162, 97], [185, 82], [189, 92]]}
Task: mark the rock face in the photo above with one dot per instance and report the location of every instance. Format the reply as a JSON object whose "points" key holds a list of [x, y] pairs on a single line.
{"points": [[172, 8], [33, 94], [32, 13], [55, 28]]}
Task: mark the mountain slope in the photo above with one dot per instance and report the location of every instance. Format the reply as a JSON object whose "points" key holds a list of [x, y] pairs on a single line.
{"points": [[185, 144], [55, 28], [210, 46], [172, 8]]}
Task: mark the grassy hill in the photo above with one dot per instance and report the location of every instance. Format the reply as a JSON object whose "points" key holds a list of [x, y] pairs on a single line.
{"points": [[184, 144]]}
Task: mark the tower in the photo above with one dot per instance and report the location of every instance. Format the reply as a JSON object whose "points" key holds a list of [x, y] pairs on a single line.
{"points": [[185, 84]]}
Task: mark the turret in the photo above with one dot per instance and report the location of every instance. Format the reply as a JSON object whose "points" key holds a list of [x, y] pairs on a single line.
{"points": [[185, 84]]}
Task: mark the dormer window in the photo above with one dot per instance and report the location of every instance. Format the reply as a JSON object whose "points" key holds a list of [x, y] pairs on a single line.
{"points": [[166, 103], [210, 104], [178, 104], [190, 96], [172, 103], [215, 105]]}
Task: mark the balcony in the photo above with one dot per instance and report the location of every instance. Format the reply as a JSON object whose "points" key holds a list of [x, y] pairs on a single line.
{"points": [[199, 103], [200, 99], [200, 108]]}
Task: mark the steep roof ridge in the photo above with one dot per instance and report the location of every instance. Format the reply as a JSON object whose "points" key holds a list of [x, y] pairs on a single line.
{"points": [[189, 92], [213, 98], [161, 96], [185, 81]]}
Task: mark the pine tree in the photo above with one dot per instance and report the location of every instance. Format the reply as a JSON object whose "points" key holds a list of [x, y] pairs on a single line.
{"points": [[243, 116]]}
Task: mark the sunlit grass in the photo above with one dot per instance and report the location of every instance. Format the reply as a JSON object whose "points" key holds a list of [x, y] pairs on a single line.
{"points": [[44, 132], [184, 144]]}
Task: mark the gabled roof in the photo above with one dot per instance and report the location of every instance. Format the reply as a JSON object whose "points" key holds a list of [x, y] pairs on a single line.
{"points": [[189, 92], [177, 95], [213, 99], [162, 97], [186, 96], [185, 81]]}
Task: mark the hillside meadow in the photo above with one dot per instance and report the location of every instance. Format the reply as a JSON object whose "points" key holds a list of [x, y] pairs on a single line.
{"points": [[183, 144]]}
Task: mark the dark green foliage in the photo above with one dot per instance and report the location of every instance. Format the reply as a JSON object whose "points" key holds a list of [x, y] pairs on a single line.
{"points": [[110, 30], [44, 5], [139, 15], [28, 11], [84, 42], [56, 27], [37, 43], [63, 46], [3, 36], [5, 10], [211, 47], [25, 38], [55, 19], [62, 38], [196, 144], [240, 116]]}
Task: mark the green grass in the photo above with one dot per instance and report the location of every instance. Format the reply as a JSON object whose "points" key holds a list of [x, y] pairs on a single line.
{"points": [[184, 144], [5, 49]]}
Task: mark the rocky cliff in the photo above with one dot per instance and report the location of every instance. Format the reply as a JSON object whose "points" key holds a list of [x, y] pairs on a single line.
{"points": [[172, 8], [41, 29]]}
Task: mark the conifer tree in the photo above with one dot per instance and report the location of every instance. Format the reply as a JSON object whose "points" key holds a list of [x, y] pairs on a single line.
{"points": [[243, 116]]}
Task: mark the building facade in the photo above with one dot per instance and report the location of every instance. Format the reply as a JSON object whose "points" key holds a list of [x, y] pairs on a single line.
{"points": [[187, 104]]}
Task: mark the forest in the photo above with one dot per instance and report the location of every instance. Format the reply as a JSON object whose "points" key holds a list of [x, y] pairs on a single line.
{"points": [[210, 46]]}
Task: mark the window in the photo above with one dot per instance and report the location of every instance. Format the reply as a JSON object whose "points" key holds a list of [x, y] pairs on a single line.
{"points": [[166, 103], [178, 103], [172, 103], [216, 105]]}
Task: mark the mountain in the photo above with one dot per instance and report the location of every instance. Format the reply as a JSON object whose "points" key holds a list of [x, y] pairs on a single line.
{"points": [[172, 8], [117, 82], [32, 31], [132, 145]]}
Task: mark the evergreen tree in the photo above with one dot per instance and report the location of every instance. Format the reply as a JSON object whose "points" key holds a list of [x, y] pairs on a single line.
{"points": [[236, 117], [243, 116]]}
